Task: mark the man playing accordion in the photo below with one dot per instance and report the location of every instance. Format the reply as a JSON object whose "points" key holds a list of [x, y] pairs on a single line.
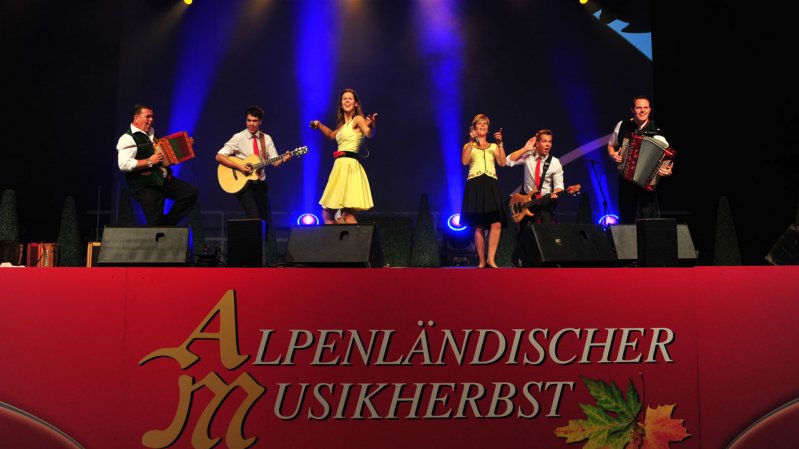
{"points": [[632, 197]]}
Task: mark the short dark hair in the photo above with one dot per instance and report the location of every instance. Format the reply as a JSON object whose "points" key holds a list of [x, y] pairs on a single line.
{"points": [[641, 97], [255, 111], [543, 132], [138, 107]]}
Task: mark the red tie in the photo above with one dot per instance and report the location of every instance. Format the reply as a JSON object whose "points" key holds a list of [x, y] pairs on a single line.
{"points": [[255, 144], [538, 176]]}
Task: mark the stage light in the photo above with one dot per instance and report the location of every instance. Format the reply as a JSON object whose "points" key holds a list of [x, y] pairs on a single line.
{"points": [[458, 249], [188, 2], [454, 223], [307, 220], [583, 2], [608, 220]]}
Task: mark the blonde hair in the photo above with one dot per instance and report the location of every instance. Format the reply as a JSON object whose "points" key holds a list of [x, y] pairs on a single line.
{"points": [[541, 132], [479, 117]]}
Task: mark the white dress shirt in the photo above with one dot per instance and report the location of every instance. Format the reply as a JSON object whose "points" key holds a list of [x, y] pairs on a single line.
{"points": [[126, 157], [240, 146], [552, 180]]}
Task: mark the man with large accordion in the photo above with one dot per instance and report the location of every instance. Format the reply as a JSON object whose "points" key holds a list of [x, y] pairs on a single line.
{"points": [[643, 156]]}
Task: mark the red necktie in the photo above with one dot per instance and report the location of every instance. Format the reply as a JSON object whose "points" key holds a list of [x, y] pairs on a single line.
{"points": [[538, 176], [255, 144]]}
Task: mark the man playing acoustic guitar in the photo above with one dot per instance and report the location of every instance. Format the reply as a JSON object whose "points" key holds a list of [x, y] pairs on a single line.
{"points": [[253, 196]]}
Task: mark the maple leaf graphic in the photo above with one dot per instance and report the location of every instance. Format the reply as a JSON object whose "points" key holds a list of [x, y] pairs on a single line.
{"points": [[611, 422], [660, 428]]}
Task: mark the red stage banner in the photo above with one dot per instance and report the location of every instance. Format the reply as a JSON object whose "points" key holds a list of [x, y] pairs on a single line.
{"points": [[396, 358]]}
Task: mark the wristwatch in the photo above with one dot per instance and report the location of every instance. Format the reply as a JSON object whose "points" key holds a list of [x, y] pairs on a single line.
{"points": [[149, 163]]}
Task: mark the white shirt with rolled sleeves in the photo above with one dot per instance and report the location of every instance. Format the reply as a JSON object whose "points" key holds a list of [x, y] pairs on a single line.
{"points": [[553, 179], [240, 146], [127, 150]]}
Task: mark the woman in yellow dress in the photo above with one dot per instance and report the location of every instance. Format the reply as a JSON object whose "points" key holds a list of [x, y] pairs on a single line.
{"points": [[347, 187], [483, 207]]}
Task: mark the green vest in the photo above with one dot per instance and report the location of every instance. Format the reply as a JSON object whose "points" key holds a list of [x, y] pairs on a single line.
{"points": [[150, 176]]}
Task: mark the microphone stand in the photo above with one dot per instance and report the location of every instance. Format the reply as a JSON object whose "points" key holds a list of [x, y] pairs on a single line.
{"points": [[605, 209]]}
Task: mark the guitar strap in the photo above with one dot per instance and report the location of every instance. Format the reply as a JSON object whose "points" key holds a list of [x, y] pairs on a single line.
{"points": [[263, 150], [544, 169], [263, 146]]}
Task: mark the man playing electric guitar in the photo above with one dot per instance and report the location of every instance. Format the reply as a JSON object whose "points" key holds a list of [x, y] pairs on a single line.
{"points": [[543, 173], [254, 196]]}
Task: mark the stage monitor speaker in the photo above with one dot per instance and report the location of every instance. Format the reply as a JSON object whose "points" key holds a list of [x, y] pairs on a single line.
{"points": [[625, 242], [565, 245], [246, 243], [349, 245], [786, 250], [144, 246]]}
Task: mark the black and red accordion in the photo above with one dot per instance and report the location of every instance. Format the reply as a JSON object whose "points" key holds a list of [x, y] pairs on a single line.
{"points": [[641, 157]]}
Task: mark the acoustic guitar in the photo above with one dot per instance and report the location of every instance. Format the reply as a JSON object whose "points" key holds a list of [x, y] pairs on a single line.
{"points": [[520, 204], [232, 180]]}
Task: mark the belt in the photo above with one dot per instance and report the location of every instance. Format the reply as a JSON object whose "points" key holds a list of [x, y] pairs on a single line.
{"points": [[351, 154]]}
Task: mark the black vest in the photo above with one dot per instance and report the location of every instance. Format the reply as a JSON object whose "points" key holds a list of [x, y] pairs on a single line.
{"points": [[151, 176], [629, 127]]}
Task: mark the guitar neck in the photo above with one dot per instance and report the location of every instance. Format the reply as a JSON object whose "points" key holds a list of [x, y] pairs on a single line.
{"points": [[266, 162], [537, 200]]}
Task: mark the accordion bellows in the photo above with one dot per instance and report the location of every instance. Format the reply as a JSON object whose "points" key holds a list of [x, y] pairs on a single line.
{"points": [[176, 148], [641, 157]]}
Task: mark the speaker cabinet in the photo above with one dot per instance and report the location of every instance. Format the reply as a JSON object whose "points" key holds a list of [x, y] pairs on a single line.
{"points": [[246, 243], [564, 245], [142, 246], [786, 250], [351, 245], [657, 242], [625, 242]]}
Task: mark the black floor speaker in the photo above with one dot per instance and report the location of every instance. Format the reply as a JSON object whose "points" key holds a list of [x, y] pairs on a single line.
{"points": [[344, 246], [625, 243], [786, 250], [149, 245], [246, 243], [564, 245]]}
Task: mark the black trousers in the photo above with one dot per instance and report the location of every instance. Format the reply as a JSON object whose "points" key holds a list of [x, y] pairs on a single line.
{"points": [[152, 199], [634, 199], [255, 200]]}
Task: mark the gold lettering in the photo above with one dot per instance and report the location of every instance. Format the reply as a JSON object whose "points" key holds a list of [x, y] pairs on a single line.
{"points": [[201, 439], [227, 338]]}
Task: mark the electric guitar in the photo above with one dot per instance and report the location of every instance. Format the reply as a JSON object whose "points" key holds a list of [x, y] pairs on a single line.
{"points": [[520, 204], [232, 180]]}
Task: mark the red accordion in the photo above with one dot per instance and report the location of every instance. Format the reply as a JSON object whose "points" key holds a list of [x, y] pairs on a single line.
{"points": [[176, 148], [641, 157]]}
